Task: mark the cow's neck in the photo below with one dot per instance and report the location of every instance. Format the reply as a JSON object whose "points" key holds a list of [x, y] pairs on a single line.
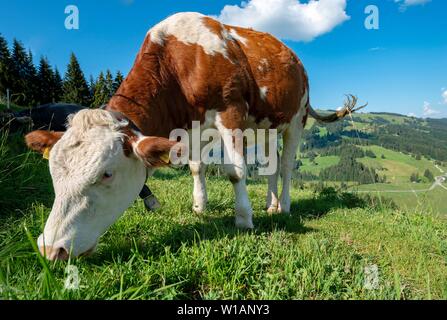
{"points": [[143, 99], [151, 97]]}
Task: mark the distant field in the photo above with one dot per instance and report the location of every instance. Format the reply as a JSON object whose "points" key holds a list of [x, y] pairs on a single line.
{"points": [[398, 166], [321, 163], [360, 126], [398, 119]]}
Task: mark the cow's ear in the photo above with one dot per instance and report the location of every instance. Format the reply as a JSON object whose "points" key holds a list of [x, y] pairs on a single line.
{"points": [[156, 151], [42, 141]]}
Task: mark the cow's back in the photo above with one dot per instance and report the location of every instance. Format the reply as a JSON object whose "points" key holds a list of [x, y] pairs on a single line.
{"points": [[280, 78]]}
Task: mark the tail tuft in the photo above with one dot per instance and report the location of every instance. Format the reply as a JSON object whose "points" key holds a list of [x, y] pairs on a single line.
{"points": [[348, 108]]}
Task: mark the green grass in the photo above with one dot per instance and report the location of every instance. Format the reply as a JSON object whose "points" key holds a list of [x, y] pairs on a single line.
{"points": [[320, 251], [13, 107], [426, 201], [24, 176], [319, 164]]}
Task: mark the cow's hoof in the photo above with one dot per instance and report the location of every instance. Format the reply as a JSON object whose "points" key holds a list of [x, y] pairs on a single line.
{"points": [[198, 209], [244, 222], [284, 208], [272, 209]]}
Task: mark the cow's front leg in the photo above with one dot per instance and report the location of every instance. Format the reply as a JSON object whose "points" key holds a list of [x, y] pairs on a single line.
{"points": [[236, 170], [229, 124], [198, 170], [243, 210]]}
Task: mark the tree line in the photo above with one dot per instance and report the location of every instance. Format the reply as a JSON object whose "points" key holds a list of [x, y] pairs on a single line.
{"points": [[349, 169], [32, 85]]}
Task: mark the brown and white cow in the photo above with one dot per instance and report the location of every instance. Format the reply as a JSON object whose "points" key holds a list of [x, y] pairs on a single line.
{"points": [[189, 68]]}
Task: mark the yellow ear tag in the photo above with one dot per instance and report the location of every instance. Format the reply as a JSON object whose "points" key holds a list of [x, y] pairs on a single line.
{"points": [[165, 158], [46, 153]]}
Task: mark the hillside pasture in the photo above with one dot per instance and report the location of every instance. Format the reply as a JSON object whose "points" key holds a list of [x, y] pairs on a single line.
{"points": [[319, 164], [398, 166]]}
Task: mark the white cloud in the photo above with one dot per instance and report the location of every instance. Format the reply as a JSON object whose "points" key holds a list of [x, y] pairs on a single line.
{"points": [[287, 19], [412, 115], [408, 3], [376, 49], [444, 96], [428, 110]]}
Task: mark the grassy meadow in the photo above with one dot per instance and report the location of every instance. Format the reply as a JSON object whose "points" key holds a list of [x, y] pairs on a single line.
{"points": [[323, 250]]}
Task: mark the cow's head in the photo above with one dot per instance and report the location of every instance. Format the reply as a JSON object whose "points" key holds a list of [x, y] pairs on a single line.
{"points": [[98, 167]]}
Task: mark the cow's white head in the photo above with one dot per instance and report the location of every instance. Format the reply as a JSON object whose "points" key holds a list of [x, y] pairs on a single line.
{"points": [[98, 167]]}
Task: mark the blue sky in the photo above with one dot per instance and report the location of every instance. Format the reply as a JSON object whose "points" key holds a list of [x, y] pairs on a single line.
{"points": [[402, 67]]}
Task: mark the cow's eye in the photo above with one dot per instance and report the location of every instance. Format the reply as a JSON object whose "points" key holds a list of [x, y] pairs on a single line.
{"points": [[107, 175]]}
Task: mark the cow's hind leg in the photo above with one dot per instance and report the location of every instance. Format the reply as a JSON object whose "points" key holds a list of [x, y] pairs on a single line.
{"points": [[198, 170], [291, 139], [272, 191]]}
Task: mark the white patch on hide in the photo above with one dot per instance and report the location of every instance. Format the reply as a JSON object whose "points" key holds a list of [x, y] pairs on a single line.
{"points": [[188, 27], [237, 37], [263, 92]]}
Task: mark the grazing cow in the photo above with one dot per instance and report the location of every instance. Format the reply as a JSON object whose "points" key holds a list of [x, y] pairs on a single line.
{"points": [[189, 68]]}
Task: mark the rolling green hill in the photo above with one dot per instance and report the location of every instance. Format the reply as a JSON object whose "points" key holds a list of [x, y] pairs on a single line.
{"points": [[398, 147]]}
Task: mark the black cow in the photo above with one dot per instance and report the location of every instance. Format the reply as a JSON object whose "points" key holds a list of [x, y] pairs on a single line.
{"points": [[52, 116]]}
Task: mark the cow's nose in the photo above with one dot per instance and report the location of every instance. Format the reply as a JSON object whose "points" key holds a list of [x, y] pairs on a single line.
{"points": [[54, 253]]}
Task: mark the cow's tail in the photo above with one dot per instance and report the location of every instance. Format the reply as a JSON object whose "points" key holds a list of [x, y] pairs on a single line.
{"points": [[348, 108]]}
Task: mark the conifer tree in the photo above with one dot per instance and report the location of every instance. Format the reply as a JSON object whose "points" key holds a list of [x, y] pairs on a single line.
{"points": [[18, 61], [31, 85], [429, 175], [45, 82], [91, 88], [23, 76], [118, 80], [5, 66], [101, 94], [57, 86], [109, 84], [75, 88]]}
